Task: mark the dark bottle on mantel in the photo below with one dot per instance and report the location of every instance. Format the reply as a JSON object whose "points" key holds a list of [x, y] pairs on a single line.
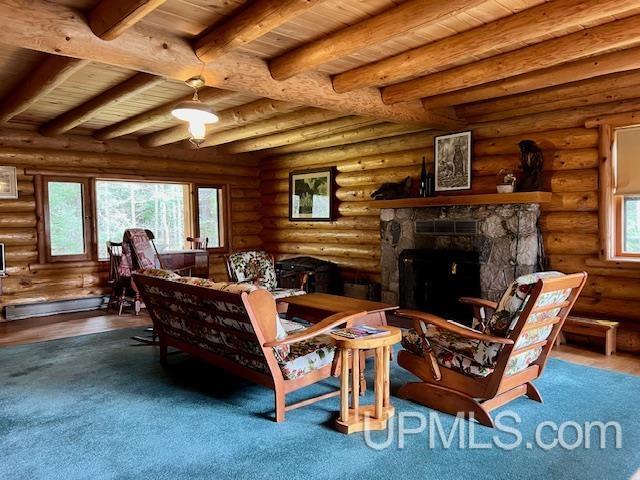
{"points": [[426, 181]]}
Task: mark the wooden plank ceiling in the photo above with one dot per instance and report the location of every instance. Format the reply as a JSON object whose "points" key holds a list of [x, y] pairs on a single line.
{"points": [[286, 71]]}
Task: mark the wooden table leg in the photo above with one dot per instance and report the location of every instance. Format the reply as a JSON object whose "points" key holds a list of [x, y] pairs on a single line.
{"points": [[386, 356], [363, 367], [379, 383], [344, 385], [355, 381]]}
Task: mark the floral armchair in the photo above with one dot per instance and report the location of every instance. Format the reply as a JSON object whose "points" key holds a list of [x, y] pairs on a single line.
{"points": [[258, 267], [236, 327], [477, 369]]}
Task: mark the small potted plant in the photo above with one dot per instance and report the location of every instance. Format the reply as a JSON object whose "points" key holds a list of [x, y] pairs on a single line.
{"points": [[506, 181]]}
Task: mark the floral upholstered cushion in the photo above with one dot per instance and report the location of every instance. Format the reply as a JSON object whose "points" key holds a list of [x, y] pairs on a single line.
{"points": [[471, 357], [514, 299], [307, 356], [253, 266], [160, 273]]}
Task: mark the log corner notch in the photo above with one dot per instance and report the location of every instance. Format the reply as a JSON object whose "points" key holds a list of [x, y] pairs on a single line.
{"points": [[109, 18]]}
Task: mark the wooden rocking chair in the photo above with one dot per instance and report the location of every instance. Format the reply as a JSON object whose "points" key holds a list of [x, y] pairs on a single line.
{"points": [[474, 371]]}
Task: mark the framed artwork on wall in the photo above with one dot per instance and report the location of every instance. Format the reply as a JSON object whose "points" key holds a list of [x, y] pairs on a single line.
{"points": [[311, 195], [453, 161], [8, 182]]}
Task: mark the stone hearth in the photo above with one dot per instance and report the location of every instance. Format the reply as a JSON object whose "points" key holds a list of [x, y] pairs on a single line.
{"points": [[502, 230]]}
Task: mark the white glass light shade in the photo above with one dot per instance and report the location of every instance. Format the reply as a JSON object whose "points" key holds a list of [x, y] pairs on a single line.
{"points": [[197, 130], [193, 111]]}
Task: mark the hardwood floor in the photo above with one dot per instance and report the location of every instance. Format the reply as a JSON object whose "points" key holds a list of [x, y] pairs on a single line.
{"points": [[41, 329]]}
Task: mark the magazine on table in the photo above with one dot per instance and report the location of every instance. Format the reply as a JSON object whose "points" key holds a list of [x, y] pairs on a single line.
{"points": [[360, 331]]}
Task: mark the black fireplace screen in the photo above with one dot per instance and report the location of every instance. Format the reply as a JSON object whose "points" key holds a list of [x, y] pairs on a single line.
{"points": [[433, 280]]}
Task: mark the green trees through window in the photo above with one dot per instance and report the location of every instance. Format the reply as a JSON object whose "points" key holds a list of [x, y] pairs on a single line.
{"points": [[632, 224], [209, 214], [66, 218], [159, 207]]}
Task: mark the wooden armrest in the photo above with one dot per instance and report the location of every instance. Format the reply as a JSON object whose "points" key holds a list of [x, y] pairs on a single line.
{"points": [[439, 322], [319, 328], [481, 302]]}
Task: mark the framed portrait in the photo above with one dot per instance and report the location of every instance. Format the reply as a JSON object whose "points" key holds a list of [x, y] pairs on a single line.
{"points": [[311, 195], [8, 182], [453, 161]]}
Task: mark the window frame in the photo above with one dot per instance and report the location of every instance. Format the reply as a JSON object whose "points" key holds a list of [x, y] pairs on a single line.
{"points": [[620, 228], [610, 205], [224, 226], [87, 219], [42, 178]]}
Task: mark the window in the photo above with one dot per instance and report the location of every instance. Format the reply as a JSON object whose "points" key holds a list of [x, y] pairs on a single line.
{"points": [[162, 208], [67, 221], [209, 218], [621, 201], [629, 226], [79, 216]]}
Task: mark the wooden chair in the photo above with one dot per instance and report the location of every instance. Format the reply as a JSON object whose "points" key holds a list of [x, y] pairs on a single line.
{"points": [[120, 286], [198, 243], [474, 371], [236, 327]]}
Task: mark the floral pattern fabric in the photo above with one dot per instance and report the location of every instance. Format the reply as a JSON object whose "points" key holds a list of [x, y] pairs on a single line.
{"points": [[253, 266], [279, 293], [307, 356], [478, 358], [444, 349], [160, 273]]}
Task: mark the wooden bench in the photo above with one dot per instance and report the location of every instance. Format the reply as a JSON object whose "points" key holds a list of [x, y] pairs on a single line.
{"points": [[592, 328]]}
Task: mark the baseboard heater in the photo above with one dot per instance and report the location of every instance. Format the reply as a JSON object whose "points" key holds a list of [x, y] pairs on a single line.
{"points": [[17, 312]]}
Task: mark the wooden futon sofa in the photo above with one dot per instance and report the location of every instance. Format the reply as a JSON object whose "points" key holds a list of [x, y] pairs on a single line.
{"points": [[236, 327]]}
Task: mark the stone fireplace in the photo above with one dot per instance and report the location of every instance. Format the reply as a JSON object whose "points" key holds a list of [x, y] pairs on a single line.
{"points": [[506, 238]]}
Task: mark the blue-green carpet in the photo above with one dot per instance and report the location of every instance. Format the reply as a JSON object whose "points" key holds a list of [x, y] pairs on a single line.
{"points": [[97, 407]]}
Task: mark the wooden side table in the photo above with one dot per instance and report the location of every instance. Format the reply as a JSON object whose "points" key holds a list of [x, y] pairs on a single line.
{"points": [[370, 417]]}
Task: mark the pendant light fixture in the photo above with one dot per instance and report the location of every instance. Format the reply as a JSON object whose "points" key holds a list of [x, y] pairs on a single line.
{"points": [[196, 113]]}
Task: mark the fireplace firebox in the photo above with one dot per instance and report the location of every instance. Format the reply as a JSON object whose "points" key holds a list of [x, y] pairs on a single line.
{"points": [[434, 280]]}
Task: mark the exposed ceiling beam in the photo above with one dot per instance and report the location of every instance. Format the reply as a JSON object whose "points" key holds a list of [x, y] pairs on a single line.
{"points": [[55, 28], [309, 132], [620, 61], [210, 96], [600, 89], [51, 73], [250, 112], [527, 26], [380, 130], [592, 41], [82, 113], [392, 22], [279, 123], [109, 18], [253, 21]]}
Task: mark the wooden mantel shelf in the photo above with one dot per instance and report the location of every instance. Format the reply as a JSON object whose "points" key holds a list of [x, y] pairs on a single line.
{"points": [[450, 200]]}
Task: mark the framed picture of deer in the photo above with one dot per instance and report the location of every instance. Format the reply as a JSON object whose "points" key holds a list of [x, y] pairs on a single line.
{"points": [[311, 195], [453, 161]]}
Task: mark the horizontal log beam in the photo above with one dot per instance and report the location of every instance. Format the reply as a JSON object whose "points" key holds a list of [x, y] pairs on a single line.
{"points": [[278, 123], [47, 76], [254, 20], [298, 135], [593, 90], [85, 112], [371, 31], [464, 47], [110, 18], [377, 131], [595, 40], [600, 65]]}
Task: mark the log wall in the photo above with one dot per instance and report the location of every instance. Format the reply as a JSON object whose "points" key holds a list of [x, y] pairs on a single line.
{"points": [[569, 224], [29, 281]]}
